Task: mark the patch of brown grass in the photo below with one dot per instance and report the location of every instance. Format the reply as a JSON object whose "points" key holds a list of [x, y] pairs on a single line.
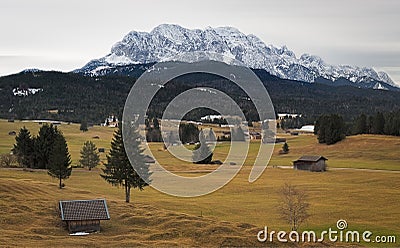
{"points": [[29, 217]]}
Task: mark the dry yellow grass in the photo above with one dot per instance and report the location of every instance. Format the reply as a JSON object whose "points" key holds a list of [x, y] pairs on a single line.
{"points": [[75, 138], [29, 217], [231, 216]]}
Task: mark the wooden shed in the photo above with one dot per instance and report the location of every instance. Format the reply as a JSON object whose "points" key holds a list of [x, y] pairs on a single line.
{"points": [[84, 215], [310, 163]]}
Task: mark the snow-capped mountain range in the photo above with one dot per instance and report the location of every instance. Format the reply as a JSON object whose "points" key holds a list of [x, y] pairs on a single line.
{"points": [[168, 41]]}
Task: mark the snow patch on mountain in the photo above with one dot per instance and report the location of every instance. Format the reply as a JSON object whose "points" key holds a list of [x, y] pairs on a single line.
{"points": [[26, 91], [379, 86]]}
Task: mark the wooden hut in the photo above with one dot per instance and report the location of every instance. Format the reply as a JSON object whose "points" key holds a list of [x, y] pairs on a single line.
{"points": [[310, 163], [84, 215]]}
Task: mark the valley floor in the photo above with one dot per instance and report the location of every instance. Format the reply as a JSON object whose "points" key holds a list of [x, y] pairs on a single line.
{"points": [[367, 198]]}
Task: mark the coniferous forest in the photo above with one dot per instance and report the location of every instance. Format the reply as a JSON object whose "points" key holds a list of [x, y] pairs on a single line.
{"points": [[73, 97]]}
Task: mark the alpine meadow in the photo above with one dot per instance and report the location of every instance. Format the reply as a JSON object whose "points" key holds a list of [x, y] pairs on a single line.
{"points": [[201, 124]]}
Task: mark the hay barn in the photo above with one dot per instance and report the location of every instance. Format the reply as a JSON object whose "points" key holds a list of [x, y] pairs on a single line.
{"points": [[84, 215], [310, 163]]}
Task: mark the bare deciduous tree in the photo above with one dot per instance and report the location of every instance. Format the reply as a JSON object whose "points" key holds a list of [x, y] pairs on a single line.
{"points": [[294, 206], [8, 161]]}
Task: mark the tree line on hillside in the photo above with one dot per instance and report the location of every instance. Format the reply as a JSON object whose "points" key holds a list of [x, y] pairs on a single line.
{"points": [[297, 122], [66, 97], [188, 132], [74, 97], [380, 123], [332, 128]]}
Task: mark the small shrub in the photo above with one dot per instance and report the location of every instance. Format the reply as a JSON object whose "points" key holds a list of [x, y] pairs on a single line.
{"points": [[8, 161]]}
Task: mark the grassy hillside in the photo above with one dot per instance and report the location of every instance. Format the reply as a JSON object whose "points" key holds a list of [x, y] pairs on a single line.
{"points": [[29, 217], [367, 200], [75, 138], [362, 151], [230, 216]]}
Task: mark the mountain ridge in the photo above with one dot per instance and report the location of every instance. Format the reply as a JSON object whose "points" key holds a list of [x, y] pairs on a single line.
{"points": [[169, 40]]}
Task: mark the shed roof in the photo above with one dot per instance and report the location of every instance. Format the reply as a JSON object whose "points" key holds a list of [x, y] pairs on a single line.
{"points": [[84, 210], [148, 159], [309, 158]]}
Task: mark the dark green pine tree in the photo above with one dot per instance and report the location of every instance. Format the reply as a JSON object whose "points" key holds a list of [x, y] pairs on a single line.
{"points": [[361, 126], [23, 148], [392, 123], [119, 172], [321, 127], [59, 160], [43, 145], [188, 133], [156, 123], [337, 130], [379, 123], [89, 156], [285, 148], [371, 124], [202, 153], [84, 126], [330, 129]]}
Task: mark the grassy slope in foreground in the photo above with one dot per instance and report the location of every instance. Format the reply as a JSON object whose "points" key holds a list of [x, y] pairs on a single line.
{"points": [[29, 217], [28, 199], [28, 203]]}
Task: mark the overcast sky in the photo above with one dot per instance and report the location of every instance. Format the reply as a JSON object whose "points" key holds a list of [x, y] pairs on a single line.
{"points": [[65, 35]]}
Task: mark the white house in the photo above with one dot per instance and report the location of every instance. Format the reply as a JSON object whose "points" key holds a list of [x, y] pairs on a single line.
{"points": [[306, 129], [282, 116], [110, 121]]}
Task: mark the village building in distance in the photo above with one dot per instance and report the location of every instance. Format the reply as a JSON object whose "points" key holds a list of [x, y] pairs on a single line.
{"points": [[110, 121]]}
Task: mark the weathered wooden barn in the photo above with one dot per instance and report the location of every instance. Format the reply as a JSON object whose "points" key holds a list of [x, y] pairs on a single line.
{"points": [[84, 215], [310, 163]]}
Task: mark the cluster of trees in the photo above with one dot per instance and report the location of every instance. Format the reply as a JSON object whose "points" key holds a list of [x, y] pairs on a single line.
{"points": [[380, 123], [219, 121], [290, 123], [188, 133], [153, 132], [330, 129], [48, 150], [34, 151]]}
